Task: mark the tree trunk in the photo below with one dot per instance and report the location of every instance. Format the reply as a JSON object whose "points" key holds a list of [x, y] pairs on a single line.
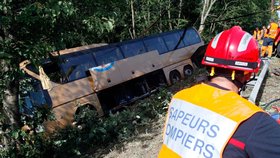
{"points": [[169, 15], [160, 15], [180, 8], [9, 112], [272, 4], [9, 108], [10, 100], [149, 15], [180, 11], [133, 20], [207, 5]]}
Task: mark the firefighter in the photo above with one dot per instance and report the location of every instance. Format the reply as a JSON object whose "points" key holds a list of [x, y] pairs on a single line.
{"points": [[262, 35], [268, 41], [257, 34], [263, 32], [276, 47], [211, 119]]}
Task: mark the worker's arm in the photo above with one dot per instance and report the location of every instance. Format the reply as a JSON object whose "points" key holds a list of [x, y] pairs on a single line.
{"points": [[257, 137], [264, 140]]}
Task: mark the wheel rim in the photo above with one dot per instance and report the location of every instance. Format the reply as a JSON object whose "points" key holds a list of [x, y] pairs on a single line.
{"points": [[175, 77], [188, 72]]}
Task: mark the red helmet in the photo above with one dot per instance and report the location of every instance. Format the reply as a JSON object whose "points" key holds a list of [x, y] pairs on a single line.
{"points": [[233, 49]]}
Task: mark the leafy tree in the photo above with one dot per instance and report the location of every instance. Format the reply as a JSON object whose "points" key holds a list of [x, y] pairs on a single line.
{"points": [[206, 8], [227, 13]]}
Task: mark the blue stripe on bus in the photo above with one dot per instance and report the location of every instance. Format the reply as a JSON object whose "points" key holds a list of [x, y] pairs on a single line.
{"points": [[102, 69]]}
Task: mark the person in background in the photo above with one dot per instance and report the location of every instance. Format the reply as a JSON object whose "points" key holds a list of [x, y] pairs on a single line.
{"points": [[211, 119], [268, 41], [257, 34], [263, 32]]}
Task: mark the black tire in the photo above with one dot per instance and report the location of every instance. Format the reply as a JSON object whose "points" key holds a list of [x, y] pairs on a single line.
{"points": [[161, 80], [188, 71], [198, 55], [174, 77]]}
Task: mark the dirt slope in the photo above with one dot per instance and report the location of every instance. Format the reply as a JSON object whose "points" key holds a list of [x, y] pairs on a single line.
{"points": [[147, 145]]}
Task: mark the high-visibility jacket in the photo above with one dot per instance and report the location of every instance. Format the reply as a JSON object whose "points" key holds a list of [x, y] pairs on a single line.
{"points": [[272, 30], [264, 33], [201, 120], [257, 34]]}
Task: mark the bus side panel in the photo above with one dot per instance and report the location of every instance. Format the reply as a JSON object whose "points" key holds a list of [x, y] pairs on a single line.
{"points": [[63, 93], [125, 70], [64, 114], [140, 65], [106, 76], [178, 55]]}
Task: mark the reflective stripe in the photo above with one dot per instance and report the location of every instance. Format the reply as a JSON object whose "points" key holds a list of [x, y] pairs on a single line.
{"points": [[244, 42], [237, 143], [215, 40], [209, 59], [242, 64]]}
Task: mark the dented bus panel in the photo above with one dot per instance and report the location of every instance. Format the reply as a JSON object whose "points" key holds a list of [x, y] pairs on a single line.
{"points": [[109, 76]]}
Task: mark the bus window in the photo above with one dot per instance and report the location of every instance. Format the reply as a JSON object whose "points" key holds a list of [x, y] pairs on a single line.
{"points": [[76, 67], [133, 48], [172, 40], [52, 71], [155, 43], [80, 71], [108, 55], [191, 37]]}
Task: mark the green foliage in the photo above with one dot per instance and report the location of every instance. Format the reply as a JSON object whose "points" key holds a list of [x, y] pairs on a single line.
{"points": [[93, 132], [28, 145], [30, 141], [247, 14]]}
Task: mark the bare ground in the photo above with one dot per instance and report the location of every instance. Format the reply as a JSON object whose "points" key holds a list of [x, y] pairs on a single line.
{"points": [[147, 144]]}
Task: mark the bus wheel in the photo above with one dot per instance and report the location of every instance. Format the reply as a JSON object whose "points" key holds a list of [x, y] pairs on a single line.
{"points": [[83, 113], [174, 77], [188, 70], [161, 80]]}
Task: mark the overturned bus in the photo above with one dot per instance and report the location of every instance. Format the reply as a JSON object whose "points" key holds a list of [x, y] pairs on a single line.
{"points": [[109, 76]]}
